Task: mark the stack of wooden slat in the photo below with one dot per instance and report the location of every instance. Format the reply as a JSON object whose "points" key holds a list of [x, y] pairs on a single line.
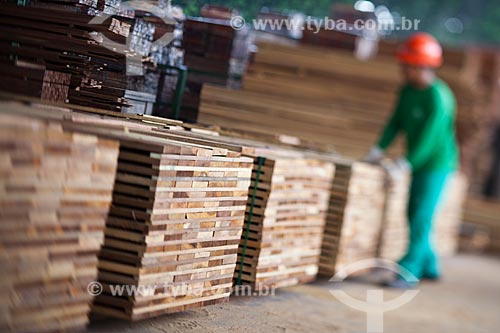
{"points": [[215, 53], [285, 218], [485, 214], [326, 95], [174, 226], [55, 190], [354, 216], [321, 95], [50, 54], [394, 233]]}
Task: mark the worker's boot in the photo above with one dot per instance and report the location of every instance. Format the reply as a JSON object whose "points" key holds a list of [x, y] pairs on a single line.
{"points": [[400, 283]]}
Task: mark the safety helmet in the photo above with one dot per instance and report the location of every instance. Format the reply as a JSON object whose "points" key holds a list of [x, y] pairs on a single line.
{"points": [[421, 49]]}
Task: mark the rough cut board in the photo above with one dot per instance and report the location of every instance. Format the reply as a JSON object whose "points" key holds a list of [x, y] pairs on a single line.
{"points": [[56, 189]]}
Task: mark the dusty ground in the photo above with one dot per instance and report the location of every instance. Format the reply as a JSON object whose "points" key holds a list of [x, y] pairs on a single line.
{"points": [[467, 300]]}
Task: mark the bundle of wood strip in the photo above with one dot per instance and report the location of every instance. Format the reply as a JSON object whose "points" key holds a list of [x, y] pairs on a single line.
{"points": [[394, 230], [51, 54], [173, 231], [354, 216], [285, 218], [215, 53], [56, 188]]}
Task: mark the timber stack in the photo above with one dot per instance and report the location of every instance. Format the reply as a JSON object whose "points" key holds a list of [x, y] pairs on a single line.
{"points": [[285, 219], [174, 226], [61, 61], [354, 217], [215, 53], [56, 190]]}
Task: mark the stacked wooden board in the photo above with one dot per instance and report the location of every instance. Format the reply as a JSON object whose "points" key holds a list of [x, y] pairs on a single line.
{"points": [[50, 54], [486, 214], [327, 96], [174, 226], [56, 189], [285, 218], [317, 94], [215, 53], [354, 216], [394, 233]]}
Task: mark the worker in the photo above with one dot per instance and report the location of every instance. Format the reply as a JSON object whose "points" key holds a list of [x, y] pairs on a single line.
{"points": [[425, 114]]}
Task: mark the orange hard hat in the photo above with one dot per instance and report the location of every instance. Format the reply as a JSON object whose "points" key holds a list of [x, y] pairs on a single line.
{"points": [[421, 49]]}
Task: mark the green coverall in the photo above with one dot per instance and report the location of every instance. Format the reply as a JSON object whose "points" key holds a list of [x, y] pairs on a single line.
{"points": [[427, 118]]}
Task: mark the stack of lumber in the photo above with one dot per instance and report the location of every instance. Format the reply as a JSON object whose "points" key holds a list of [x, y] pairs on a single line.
{"points": [[327, 96], [394, 233], [285, 218], [321, 95], [56, 188], [50, 54], [215, 53], [354, 216], [176, 219], [174, 226], [485, 214]]}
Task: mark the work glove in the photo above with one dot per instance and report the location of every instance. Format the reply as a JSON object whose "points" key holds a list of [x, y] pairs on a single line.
{"points": [[374, 156], [397, 170]]}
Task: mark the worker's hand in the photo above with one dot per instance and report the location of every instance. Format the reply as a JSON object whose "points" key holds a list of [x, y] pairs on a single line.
{"points": [[397, 170], [375, 155]]}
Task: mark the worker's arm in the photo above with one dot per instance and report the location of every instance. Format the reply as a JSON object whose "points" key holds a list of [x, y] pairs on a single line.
{"points": [[435, 125], [392, 128]]}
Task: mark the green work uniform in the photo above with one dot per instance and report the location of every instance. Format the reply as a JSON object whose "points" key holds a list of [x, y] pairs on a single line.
{"points": [[427, 118]]}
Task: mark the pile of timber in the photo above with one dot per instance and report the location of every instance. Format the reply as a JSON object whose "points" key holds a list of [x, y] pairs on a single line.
{"points": [[445, 233], [321, 95], [173, 231], [354, 216], [215, 53], [51, 55], [394, 231], [56, 188], [485, 214], [285, 218], [328, 96], [174, 226]]}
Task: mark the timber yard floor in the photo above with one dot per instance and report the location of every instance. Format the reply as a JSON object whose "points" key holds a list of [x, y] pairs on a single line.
{"points": [[467, 300]]}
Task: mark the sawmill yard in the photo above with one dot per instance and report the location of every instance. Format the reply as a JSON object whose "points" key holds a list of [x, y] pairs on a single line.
{"points": [[223, 160]]}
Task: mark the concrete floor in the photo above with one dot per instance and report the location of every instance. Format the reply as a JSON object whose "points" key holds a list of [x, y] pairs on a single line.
{"points": [[467, 300]]}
